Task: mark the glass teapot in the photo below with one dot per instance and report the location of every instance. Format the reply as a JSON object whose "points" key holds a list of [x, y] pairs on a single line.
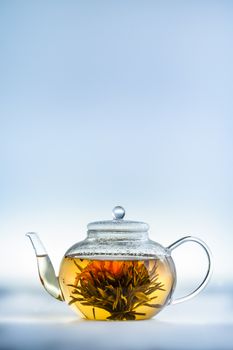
{"points": [[117, 272]]}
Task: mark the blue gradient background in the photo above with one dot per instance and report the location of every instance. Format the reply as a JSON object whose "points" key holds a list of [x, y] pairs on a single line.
{"points": [[116, 102]]}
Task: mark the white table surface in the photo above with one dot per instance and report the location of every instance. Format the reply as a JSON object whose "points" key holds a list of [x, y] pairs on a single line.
{"points": [[34, 320]]}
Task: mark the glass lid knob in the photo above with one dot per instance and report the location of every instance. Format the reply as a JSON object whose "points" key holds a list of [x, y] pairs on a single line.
{"points": [[118, 224], [118, 213]]}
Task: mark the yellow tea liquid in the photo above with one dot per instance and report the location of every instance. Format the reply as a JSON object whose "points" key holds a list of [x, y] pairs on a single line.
{"points": [[116, 289]]}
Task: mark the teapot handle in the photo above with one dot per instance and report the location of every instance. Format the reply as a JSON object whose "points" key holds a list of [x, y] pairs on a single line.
{"points": [[208, 273]]}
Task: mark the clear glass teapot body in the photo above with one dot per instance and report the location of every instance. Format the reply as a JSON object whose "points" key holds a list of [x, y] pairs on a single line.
{"points": [[112, 275], [117, 272]]}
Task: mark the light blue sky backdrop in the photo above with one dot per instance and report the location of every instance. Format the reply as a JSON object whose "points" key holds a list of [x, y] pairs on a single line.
{"points": [[116, 102]]}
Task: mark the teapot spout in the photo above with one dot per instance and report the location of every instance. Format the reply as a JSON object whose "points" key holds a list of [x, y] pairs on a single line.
{"points": [[46, 271]]}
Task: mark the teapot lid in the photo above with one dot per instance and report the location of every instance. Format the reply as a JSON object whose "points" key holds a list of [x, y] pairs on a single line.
{"points": [[118, 223]]}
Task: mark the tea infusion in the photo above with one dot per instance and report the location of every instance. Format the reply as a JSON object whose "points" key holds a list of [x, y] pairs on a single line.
{"points": [[116, 289]]}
